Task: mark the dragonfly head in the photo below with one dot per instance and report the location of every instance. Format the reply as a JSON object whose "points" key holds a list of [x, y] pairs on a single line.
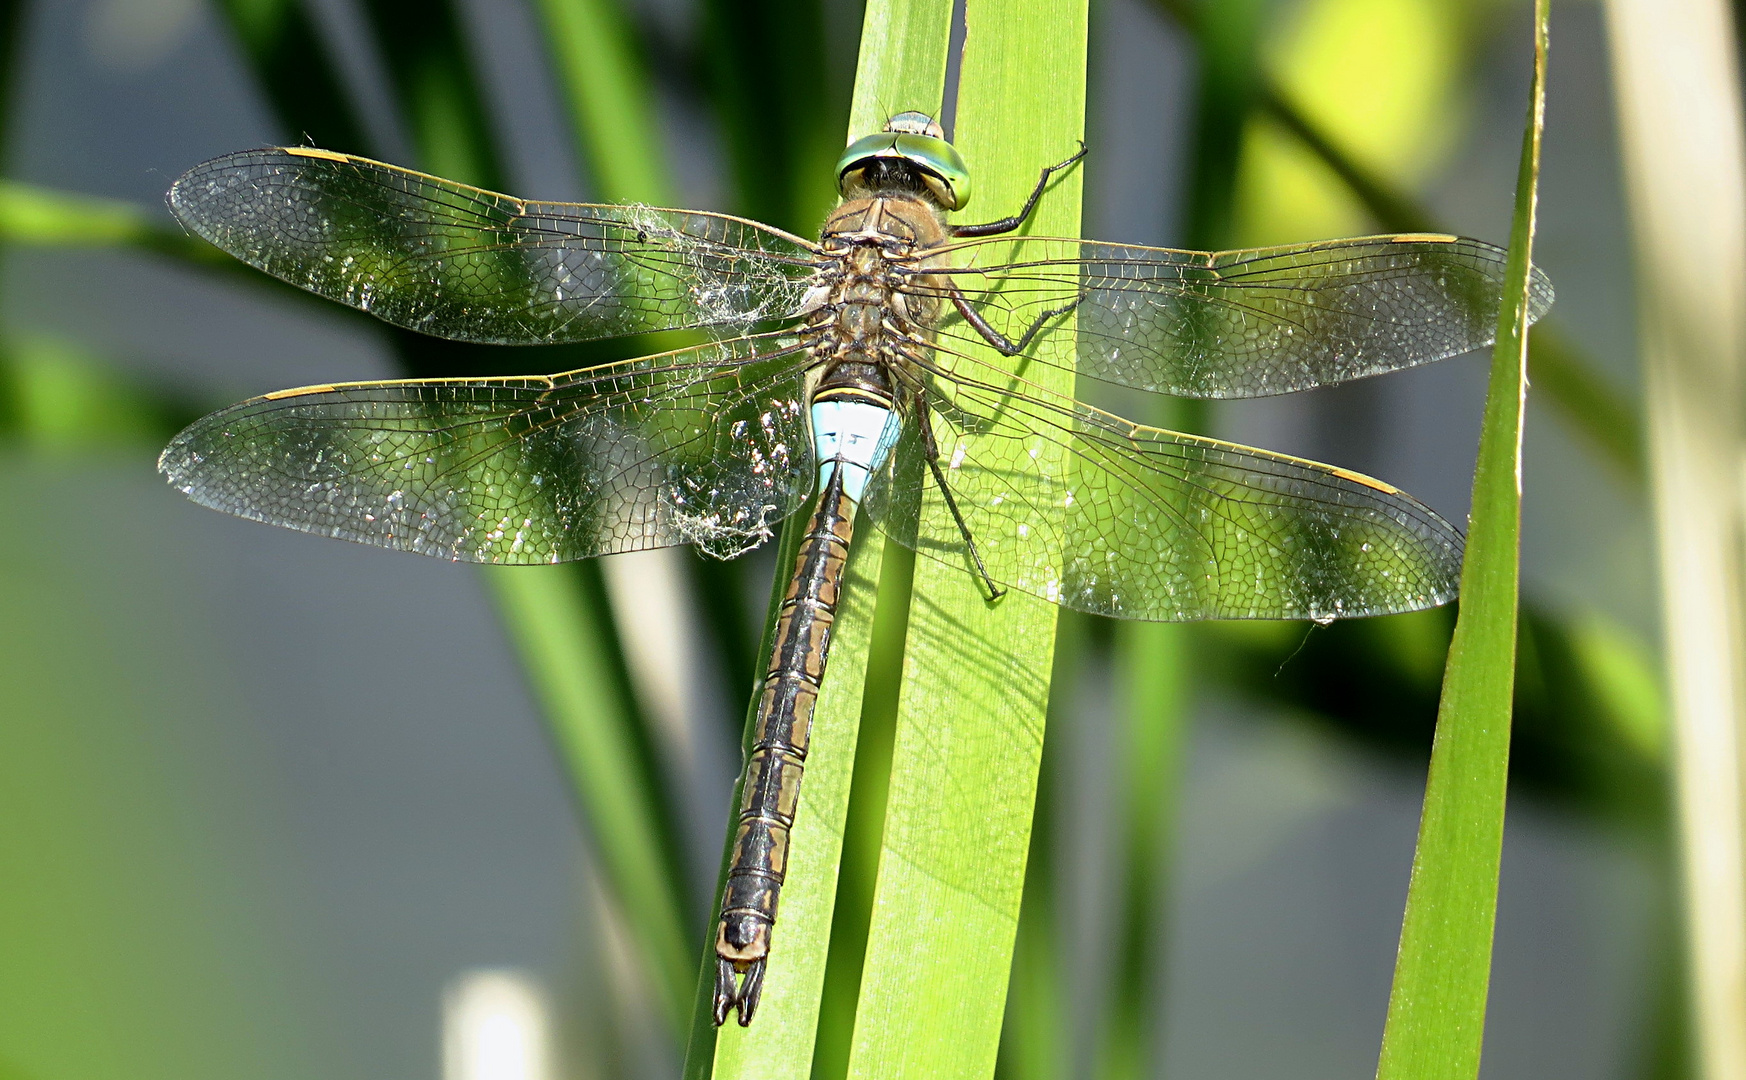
{"points": [[911, 154]]}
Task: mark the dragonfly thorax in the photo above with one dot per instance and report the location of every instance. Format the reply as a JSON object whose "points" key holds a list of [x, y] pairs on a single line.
{"points": [[899, 223], [871, 297]]}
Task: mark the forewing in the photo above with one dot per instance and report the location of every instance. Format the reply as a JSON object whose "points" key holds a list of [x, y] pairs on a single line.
{"points": [[1097, 514], [1239, 324], [707, 446], [457, 262]]}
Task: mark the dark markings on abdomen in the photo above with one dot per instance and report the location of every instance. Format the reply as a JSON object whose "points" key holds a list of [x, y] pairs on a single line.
{"points": [[771, 786]]}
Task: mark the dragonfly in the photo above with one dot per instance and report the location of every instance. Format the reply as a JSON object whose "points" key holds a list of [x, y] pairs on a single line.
{"points": [[901, 366]]}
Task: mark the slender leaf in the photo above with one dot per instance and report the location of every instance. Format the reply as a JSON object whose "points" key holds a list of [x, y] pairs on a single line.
{"points": [[866, 821], [1156, 681], [1436, 1011], [431, 75], [975, 681], [904, 59], [1676, 71], [1567, 380], [1037, 1040], [293, 67], [1036, 1037], [1390, 206], [550, 613], [43, 217], [1152, 659], [559, 628], [570, 660], [1230, 39], [609, 99], [772, 92], [612, 116], [59, 398], [780, 1042], [704, 1040]]}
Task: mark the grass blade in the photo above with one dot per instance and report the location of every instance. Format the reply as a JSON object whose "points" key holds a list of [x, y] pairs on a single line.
{"points": [[1566, 380], [436, 88], [780, 1042], [607, 92], [1436, 1011], [570, 661], [1152, 659], [904, 47], [296, 71], [1157, 679], [864, 826], [1037, 1034], [35, 216], [565, 625], [1229, 36], [777, 102], [903, 59], [559, 619], [1678, 94], [975, 682]]}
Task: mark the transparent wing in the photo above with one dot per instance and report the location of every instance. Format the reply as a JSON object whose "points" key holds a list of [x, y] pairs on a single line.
{"points": [[1236, 324], [706, 446], [1097, 514], [457, 262]]}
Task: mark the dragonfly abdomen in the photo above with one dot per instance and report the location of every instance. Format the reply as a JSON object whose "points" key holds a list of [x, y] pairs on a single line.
{"points": [[771, 789], [854, 427]]}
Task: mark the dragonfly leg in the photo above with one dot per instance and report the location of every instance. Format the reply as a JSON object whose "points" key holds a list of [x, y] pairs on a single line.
{"points": [[1008, 224], [994, 337], [995, 592], [931, 451]]}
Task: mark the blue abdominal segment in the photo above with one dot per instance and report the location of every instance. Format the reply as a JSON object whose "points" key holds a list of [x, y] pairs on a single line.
{"points": [[856, 434]]}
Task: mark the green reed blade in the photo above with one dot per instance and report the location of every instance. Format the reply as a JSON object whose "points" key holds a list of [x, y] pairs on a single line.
{"points": [[903, 59], [569, 660], [1436, 1012], [609, 99], [560, 620], [283, 42], [976, 677]]}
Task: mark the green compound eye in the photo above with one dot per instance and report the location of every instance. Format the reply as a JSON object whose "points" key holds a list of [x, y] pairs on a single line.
{"points": [[942, 168], [913, 138]]}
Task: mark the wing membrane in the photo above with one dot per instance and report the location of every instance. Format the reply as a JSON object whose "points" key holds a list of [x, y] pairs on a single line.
{"points": [[1237, 324], [707, 446], [1098, 514], [457, 262]]}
